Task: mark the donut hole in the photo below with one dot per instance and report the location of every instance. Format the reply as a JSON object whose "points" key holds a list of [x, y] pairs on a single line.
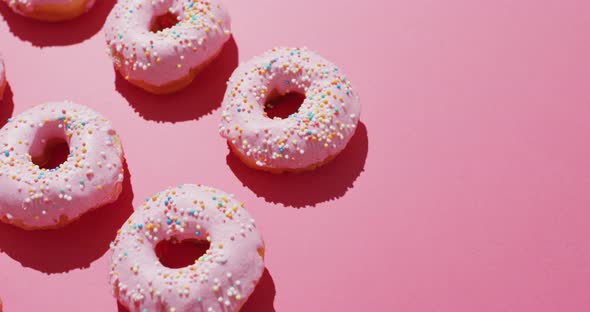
{"points": [[164, 21], [177, 254], [50, 147], [283, 105], [55, 153]]}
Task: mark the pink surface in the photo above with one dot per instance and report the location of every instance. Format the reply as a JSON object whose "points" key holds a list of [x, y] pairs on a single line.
{"points": [[465, 189]]}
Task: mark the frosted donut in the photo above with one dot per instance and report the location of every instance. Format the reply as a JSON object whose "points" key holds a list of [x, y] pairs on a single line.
{"points": [[50, 10], [160, 46], [220, 280], [32, 197], [315, 134]]}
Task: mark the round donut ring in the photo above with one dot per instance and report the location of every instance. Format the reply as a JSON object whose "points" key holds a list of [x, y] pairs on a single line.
{"points": [[50, 10], [220, 280], [165, 60], [35, 198], [309, 138]]}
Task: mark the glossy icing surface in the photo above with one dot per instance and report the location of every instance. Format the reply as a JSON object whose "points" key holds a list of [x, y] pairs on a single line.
{"points": [[51, 10], [33, 197], [220, 280], [144, 53], [320, 129]]}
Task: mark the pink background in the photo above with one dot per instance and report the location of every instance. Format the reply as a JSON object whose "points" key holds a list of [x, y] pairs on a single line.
{"points": [[466, 188]]}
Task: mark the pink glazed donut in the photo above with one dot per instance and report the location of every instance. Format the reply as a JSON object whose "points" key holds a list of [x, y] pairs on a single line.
{"points": [[160, 46], [50, 10], [32, 197], [220, 280], [309, 138]]}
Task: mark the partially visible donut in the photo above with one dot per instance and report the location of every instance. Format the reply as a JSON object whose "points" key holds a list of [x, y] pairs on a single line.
{"points": [[50, 10], [32, 197], [3, 82], [160, 46], [220, 280], [311, 137]]}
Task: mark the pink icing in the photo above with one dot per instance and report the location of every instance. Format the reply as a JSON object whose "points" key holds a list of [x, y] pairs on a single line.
{"points": [[24, 7], [167, 55], [91, 176], [220, 280], [322, 127]]}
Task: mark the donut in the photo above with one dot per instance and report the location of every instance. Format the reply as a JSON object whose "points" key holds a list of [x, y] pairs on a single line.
{"points": [[161, 46], [220, 280], [50, 10], [34, 197], [305, 140]]}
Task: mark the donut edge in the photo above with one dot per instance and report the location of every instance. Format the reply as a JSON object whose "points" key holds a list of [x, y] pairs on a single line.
{"points": [[173, 86], [56, 12]]}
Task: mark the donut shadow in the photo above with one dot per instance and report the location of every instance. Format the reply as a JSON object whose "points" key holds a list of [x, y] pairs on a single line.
{"points": [[198, 99], [307, 189], [47, 34], [263, 297], [6, 106], [261, 300], [75, 246]]}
